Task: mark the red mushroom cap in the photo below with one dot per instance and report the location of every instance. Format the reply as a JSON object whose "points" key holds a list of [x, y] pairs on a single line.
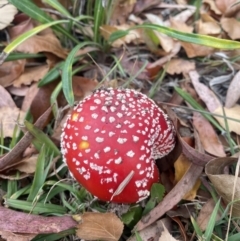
{"points": [[110, 141]]}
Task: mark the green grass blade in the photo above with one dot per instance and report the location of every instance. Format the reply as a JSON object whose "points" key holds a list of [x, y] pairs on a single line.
{"points": [[47, 197], [40, 208], [20, 39], [211, 222], [11, 187], [196, 227], [58, 6], [33, 11], [186, 37], [55, 236], [53, 99], [17, 56], [73, 190], [138, 237], [43, 138], [67, 72], [99, 12], [22, 191], [39, 178]]}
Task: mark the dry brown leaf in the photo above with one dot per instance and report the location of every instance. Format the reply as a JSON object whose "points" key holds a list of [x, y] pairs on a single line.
{"points": [[205, 214], [5, 98], [9, 117], [166, 42], [9, 71], [166, 236], [181, 166], [121, 10], [132, 36], [224, 5], [165, 59], [233, 112], [83, 86], [23, 24], [183, 16], [30, 75], [195, 50], [142, 5], [233, 92], [7, 13], [213, 6], [180, 26], [224, 183], [47, 43], [208, 28], [208, 25], [179, 66], [207, 135], [132, 66], [30, 95], [41, 101], [59, 127], [231, 26], [104, 226], [207, 95], [28, 164], [181, 2], [233, 10]]}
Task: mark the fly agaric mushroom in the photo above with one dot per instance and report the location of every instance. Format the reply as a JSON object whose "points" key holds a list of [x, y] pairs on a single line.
{"points": [[110, 142]]}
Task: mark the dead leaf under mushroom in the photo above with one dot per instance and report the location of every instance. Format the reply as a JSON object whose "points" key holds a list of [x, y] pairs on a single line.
{"points": [[104, 226]]}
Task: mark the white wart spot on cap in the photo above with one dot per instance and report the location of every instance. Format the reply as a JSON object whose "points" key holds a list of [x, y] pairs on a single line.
{"points": [[135, 138], [87, 127], [119, 115], [130, 153], [74, 146], [121, 140], [81, 119], [96, 155], [97, 101], [93, 107], [94, 116], [99, 139], [111, 134], [113, 108], [111, 119], [104, 108], [107, 149], [118, 160]]}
